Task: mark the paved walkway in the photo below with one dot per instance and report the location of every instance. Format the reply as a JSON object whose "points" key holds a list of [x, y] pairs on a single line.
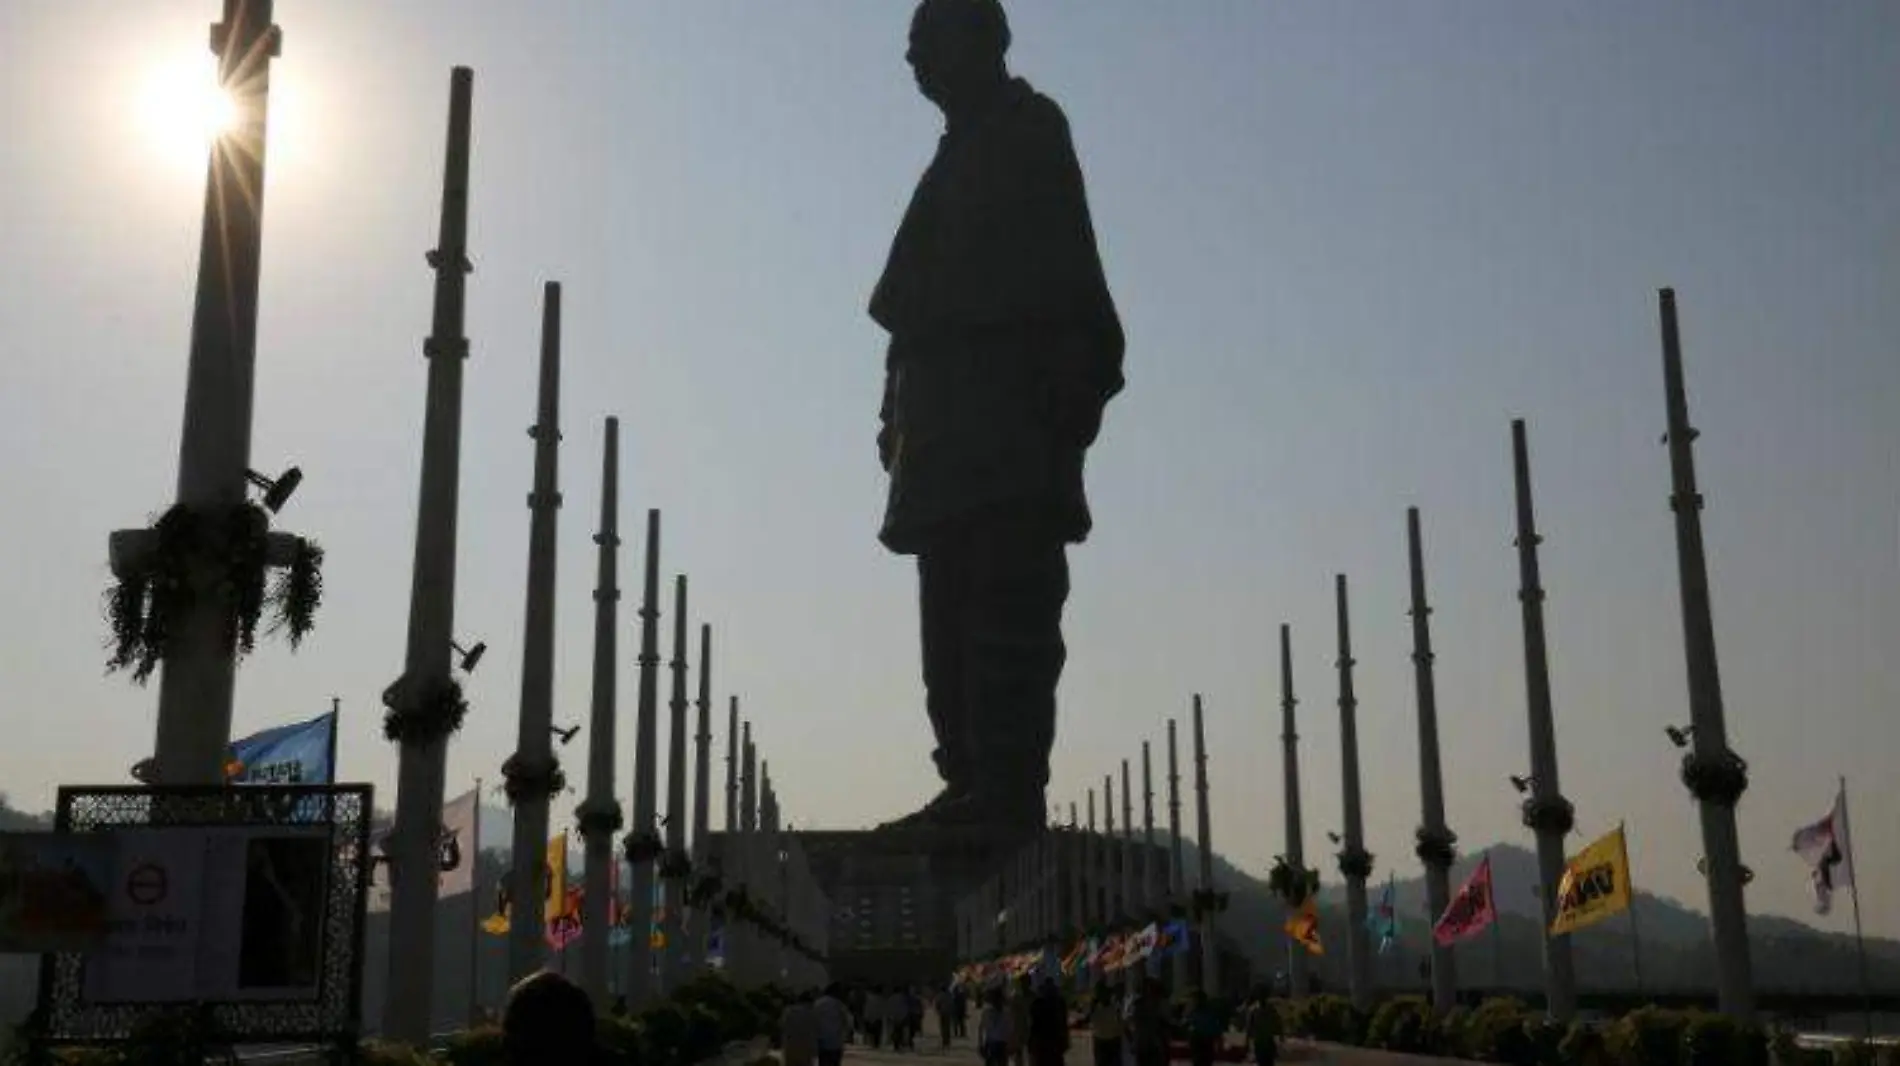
{"points": [[963, 1053]]}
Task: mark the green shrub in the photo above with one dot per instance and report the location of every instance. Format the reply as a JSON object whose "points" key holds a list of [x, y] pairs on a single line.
{"points": [[476, 1047], [1451, 1030], [1649, 1036], [1404, 1024], [1718, 1040], [1584, 1045], [378, 1053], [1332, 1019], [1855, 1053], [622, 1041], [1497, 1032]]}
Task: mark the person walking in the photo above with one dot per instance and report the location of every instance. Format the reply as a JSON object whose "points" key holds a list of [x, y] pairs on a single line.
{"points": [[874, 1016], [1019, 1002], [1263, 1030], [993, 1036], [1206, 1026], [798, 1032], [1048, 1026], [1150, 1032], [897, 1018], [1105, 1027], [945, 1007], [832, 1027]]}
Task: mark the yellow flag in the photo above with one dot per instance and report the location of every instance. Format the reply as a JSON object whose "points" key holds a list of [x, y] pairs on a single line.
{"points": [[1304, 927], [557, 877], [1595, 885]]}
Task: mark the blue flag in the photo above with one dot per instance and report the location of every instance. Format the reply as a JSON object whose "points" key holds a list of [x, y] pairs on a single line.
{"points": [[297, 754], [1383, 922]]}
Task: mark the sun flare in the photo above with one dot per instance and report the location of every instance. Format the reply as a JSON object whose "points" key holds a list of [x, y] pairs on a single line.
{"points": [[184, 110]]}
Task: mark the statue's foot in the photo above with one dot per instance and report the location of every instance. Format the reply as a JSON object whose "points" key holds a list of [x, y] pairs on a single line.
{"points": [[1007, 810], [936, 812]]}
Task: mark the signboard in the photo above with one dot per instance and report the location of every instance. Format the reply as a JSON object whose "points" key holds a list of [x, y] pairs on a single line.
{"points": [[247, 902], [53, 892], [213, 915]]}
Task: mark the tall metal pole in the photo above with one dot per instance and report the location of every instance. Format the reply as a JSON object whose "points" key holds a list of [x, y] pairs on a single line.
{"points": [[1210, 946], [1111, 878], [1295, 847], [1435, 840], [673, 929], [1150, 869], [199, 670], [1078, 913], [1354, 862], [1177, 872], [1091, 855], [1714, 774], [702, 784], [749, 871], [601, 817], [534, 761], [732, 765], [1132, 904], [639, 982], [1547, 812], [422, 765]]}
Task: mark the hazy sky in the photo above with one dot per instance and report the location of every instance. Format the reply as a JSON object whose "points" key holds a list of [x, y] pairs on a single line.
{"points": [[1350, 242]]}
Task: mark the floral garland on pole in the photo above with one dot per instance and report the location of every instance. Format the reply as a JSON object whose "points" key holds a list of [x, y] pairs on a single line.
{"points": [[1294, 886], [151, 593], [643, 846], [437, 713], [525, 779], [1206, 902], [675, 865]]}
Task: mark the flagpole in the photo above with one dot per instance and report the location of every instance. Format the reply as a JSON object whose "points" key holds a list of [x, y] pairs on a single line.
{"points": [[1497, 933], [1636, 940], [475, 913], [1860, 941]]}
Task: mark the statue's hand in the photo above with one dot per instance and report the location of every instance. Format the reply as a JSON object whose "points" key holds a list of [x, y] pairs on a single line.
{"points": [[1074, 413]]}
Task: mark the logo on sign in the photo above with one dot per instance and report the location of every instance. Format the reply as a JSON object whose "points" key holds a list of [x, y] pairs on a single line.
{"points": [[147, 884]]}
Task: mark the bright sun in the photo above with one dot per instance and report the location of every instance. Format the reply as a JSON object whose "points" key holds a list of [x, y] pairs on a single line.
{"points": [[183, 110]]}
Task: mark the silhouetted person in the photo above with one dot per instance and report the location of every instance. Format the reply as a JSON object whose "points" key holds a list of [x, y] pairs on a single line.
{"points": [[549, 1020], [1004, 348]]}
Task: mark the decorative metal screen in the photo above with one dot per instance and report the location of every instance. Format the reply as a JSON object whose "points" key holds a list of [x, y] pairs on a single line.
{"points": [[342, 811]]}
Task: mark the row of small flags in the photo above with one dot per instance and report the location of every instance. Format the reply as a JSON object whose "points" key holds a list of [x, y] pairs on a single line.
{"points": [[1105, 954]]}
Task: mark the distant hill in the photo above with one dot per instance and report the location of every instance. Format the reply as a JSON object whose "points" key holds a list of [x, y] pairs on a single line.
{"points": [[1675, 951]]}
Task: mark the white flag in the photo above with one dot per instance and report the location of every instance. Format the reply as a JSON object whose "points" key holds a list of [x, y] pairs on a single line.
{"points": [[454, 853], [1826, 848]]}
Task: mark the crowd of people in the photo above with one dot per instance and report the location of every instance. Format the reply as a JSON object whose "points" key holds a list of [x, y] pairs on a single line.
{"points": [[1029, 1023], [549, 1019]]}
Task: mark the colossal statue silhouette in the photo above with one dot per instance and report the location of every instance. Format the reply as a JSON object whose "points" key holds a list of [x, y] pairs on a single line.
{"points": [[1004, 349]]}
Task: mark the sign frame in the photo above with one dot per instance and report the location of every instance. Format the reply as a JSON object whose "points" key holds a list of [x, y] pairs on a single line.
{"points": [[341, 814]]}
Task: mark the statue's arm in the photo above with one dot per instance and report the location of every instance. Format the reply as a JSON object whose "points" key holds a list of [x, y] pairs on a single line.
{"points": [[886, 436], [1085, 343]]}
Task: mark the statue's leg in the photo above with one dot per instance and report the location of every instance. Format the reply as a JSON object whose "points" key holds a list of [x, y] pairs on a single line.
{"points": [[1019, 585], [943, 599], [943, 581]]}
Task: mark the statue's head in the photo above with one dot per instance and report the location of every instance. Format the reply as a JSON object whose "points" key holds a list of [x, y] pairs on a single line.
{"points": [[956, 49]]}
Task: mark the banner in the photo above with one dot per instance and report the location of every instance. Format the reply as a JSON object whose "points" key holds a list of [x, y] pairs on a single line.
{"points": [[1829, 853], [53, 891], [1595, 885], [554, 876], [454, 853], [1303, 927], [1470, 911], [296, 754]]}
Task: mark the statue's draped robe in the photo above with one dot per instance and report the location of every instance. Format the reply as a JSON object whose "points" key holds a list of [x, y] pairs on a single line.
{"points": [[1005, 343]]}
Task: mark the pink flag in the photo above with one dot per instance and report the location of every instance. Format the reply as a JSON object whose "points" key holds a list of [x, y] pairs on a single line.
{"points": [[1470, 910]]}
